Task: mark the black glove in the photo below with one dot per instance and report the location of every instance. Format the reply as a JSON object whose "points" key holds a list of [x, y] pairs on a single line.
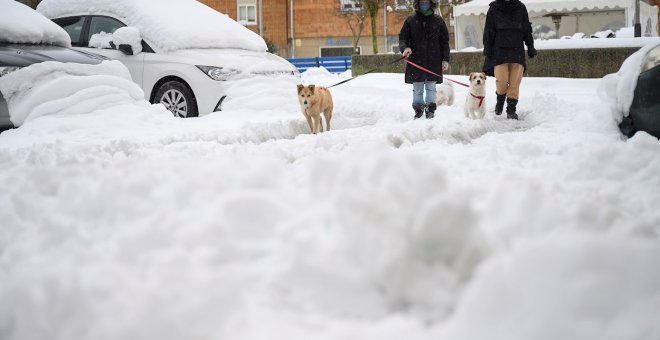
{"points": [[532, 52]]}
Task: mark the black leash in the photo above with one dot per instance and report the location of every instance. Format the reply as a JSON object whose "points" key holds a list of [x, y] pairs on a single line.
{"points": [[372, 70]]}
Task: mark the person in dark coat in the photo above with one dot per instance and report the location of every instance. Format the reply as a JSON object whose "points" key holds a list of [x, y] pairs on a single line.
{"points": [[507, 29], [424, 40]]}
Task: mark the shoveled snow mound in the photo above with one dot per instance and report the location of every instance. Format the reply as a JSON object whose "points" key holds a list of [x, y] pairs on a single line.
{"points": [[127, 223], [608, 286], [67, 88]]}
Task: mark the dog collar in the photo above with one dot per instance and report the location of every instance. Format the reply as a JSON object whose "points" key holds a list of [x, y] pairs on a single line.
{"points": [[481, 98]]}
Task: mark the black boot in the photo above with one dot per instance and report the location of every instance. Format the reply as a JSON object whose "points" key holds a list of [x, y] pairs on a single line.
{"points": [[430, 110], [419, 110], [499, 107], [511, 108]]}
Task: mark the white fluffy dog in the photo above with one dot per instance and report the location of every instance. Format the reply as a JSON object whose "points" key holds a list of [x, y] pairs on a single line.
{"points": [[475, 102], [445, 94]]}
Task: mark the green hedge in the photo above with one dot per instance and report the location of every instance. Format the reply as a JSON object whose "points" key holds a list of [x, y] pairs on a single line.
{"points": [[567, 63]]}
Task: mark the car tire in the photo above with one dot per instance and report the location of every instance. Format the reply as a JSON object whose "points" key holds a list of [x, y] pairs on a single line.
{"points": [[177, 98], [627, 127]]}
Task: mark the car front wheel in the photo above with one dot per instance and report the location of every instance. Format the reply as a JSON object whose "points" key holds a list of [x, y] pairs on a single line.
{"points": [[178, 99]]}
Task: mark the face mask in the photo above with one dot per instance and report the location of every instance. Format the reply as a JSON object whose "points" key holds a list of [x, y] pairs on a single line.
{"points": [[424, 7]]}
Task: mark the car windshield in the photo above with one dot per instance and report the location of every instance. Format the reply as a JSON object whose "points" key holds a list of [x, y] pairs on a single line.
{"points": [[21, 24], [182, 24]]}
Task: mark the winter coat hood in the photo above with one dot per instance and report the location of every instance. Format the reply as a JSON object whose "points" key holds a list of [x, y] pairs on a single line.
{"points": [[504, 4], [434, 5]]}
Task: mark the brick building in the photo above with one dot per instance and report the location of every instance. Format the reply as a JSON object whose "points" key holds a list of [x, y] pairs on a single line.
{"points": [[657, 3], [318, 27]]}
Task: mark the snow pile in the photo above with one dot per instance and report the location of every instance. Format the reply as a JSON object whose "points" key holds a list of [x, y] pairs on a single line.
{"points": [[21, 24], [578, 35], [128, 223], [122, 36], [181, 24], [612, 291], [594, 43], [51, 88], [128, 36], [603, 34], [618, 89], [262, 94], [316, 73], [100, 40], [575, 42], [626, 32]]}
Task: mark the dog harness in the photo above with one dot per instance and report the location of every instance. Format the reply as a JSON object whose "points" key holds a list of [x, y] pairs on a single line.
{"points": [[481, 98]]}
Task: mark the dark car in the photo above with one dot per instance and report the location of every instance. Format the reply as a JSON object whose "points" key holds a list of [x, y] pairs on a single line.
{"points": [[14, 56], [644, 114]]}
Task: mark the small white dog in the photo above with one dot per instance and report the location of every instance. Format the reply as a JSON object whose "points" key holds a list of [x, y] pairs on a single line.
{"points": [[445, 94], [475, 102]]}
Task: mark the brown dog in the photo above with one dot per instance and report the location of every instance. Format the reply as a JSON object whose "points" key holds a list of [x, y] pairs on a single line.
{"points": [[314, 100]]}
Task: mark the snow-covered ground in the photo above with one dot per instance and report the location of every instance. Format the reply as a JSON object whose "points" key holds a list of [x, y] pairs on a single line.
{"points": [[120, 221]]}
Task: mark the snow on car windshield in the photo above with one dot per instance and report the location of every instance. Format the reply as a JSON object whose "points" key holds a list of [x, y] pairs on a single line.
{"points": [[21, 24], [180, 24]]}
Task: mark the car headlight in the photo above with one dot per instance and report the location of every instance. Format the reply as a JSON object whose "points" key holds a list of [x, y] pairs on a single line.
{"points": [[5, 70], [218, 73]]}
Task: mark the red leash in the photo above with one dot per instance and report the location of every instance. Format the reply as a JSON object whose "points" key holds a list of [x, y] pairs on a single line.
{"points": [[433, 73]]}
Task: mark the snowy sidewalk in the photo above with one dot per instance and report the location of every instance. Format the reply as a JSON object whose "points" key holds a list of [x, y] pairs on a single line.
{"points": [[240, 225]]}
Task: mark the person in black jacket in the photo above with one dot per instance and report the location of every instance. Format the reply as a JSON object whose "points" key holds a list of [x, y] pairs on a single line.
{"points": [[507, 28], [424, 40]]}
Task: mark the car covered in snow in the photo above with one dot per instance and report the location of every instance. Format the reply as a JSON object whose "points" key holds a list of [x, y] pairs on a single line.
{"points": [[633, 93], [26, 38], [184, 54], [644, 113]]}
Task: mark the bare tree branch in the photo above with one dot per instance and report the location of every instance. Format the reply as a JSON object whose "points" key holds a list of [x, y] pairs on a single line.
{"points": [[355, 18]]}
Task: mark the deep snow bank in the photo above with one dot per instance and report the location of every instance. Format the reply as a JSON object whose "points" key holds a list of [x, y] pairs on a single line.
{"points": [[52, 88], [564, 287], [150, 227]]}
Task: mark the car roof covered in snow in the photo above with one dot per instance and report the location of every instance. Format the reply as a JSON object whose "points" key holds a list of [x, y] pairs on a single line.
{"points": [[21, 24], [170, 25]]}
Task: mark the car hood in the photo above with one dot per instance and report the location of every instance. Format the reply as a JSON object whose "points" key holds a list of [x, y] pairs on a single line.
{"points": [[246, 61], [26, 55]]}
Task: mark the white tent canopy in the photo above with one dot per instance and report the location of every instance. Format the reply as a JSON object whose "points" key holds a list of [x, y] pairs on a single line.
{"points": [[585, 16]]}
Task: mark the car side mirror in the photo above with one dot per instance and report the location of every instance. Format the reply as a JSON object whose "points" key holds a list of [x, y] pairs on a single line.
{"points": [[128, 40], [126, 49]]}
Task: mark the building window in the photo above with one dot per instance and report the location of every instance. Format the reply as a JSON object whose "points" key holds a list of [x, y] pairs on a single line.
{"points": [[350, 5], [247, 12], [401, 5]]}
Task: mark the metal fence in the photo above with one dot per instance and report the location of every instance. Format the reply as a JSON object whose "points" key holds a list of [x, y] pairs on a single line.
{"points": [[332, 64]]}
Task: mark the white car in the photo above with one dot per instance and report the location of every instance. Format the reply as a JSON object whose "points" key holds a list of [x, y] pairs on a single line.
{"points": [[27, 38], [181, 52]]}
